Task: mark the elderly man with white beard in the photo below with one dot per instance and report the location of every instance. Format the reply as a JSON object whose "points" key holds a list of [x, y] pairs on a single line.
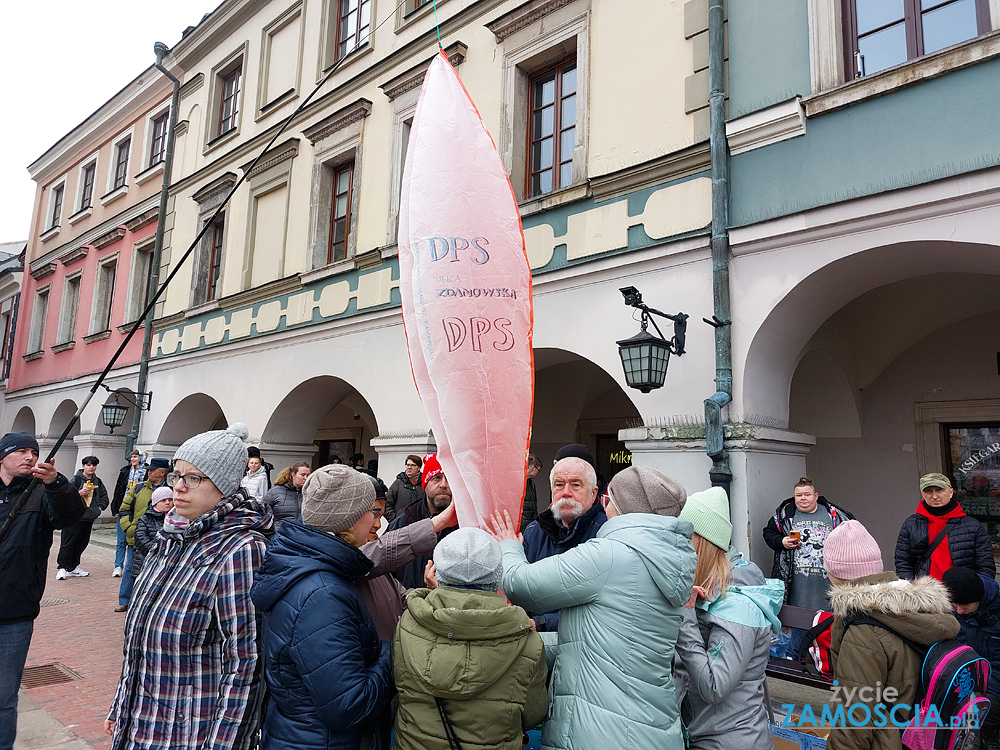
{"points": [[573, 517]]}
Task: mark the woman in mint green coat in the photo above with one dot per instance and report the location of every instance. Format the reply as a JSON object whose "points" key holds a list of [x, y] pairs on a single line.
{"points": [[622, 596]]}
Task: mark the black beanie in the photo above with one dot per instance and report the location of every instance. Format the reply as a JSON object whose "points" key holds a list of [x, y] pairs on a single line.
{"points": [[576, 450], [964, 585], [13, 441]]}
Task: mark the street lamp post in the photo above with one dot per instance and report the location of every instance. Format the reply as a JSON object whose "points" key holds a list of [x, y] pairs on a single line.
{"points": [[644, 356]]}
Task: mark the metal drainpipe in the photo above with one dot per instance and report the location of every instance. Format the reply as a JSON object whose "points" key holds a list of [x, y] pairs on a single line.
{"points": [[154, 272], [721, 473]]}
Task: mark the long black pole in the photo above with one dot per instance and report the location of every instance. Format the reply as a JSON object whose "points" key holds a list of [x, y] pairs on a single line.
{"points": [[19, 504]]}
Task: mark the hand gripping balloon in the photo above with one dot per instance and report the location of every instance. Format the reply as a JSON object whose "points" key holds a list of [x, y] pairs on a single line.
{"points": [[466, 291]]}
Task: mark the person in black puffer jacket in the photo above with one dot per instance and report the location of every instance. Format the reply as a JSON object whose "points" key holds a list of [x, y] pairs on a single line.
{"points": [[406, 489], [328, 676], [149, 526], [53, 504], [285, 498], [965, 543]]}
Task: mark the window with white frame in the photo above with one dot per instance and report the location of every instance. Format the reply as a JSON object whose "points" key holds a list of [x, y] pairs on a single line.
{"points": [[104, 292], [879, 35], [68, 309], [229, 100], [120, 165], [225, 112], [157, 138], [545, 90], [55, 205], [6, 323], [39, 314], [348, 28], [140, 279], [213, 257], [209, 258], [88, 176]]}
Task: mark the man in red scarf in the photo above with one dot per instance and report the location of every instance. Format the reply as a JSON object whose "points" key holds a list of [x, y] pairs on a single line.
{"points": [[940, 536]]}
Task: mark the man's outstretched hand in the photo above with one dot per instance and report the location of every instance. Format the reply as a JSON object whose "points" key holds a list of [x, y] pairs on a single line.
{"points": [[503, 528]]}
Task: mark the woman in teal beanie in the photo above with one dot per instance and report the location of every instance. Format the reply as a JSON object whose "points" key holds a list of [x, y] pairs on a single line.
{"points": [[723, 645]]}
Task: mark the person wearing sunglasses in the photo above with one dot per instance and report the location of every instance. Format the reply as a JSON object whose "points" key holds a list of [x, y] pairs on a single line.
{"points": [[328, 673], [622, 595], [191, 669]]}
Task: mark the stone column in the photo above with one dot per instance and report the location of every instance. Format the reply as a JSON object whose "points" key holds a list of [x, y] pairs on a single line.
{"points": [[393, 449], [766, 463]]}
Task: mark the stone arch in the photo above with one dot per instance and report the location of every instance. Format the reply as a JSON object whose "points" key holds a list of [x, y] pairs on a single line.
{"points": [[577, 401], [192, 415], [326, 412], [785, 334], [24, 421], [61, 417], [822, 400]]}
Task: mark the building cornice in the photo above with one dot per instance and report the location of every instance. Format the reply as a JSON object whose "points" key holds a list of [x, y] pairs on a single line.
{"points": [[118, 109], [343, 117], [523, 16], [414, 77], [215, 188], [109, 238], [87, 238]]}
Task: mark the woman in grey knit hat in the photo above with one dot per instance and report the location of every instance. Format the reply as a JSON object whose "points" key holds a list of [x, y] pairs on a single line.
{"points": [[328, 674], [191, 672]]}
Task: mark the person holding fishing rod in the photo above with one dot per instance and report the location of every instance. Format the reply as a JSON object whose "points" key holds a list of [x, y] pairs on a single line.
{"points": [[25, 540]]}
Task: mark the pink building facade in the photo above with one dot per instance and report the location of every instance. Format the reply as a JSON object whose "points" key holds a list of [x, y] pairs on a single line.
{"points": [[87, 270]]}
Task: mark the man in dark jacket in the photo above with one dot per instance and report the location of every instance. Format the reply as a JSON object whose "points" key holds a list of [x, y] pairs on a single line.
{"points": [[796, 532], [437, 493], [977, 604], [406, 490], [24, 552], [75, 538], [939, 535], [573, 517], [529, 512]]}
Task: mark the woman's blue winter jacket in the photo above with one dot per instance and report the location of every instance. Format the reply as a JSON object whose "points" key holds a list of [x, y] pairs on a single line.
{"points": [[329, 676]]}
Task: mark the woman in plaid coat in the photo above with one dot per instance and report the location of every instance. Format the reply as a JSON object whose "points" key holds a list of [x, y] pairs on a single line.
{"points": [[191, 672]]}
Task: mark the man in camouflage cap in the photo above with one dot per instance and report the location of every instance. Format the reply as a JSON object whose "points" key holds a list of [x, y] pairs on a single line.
{"points": [[940, 536]]}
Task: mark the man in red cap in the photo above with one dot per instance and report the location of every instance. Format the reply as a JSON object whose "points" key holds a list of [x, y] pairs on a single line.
{"points": [[437, 498]]}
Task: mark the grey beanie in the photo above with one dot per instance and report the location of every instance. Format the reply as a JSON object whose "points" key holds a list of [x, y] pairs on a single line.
{"points": [[221, 455], [469, 558], [335, 497], [643, 489]]}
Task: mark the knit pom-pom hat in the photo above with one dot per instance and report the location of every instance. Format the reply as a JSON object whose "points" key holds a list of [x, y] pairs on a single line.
{"points": [[850, 552], [221, 455]]}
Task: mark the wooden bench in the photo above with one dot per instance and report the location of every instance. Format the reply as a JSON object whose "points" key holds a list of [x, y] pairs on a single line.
{"points": [[791, 670]]}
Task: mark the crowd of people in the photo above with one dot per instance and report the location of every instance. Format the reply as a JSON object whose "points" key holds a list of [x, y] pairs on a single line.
{"points": [[293, 615]]}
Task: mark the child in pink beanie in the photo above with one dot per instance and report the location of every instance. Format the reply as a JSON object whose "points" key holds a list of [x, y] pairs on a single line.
{"points": [[875, 612]]}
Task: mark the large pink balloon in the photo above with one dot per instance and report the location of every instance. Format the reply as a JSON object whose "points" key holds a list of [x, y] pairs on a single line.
{"points": [[466, 291]]}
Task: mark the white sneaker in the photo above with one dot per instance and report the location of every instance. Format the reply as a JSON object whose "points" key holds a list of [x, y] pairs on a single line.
{"points": [[79, 572], [117, 573], [61, 574]]}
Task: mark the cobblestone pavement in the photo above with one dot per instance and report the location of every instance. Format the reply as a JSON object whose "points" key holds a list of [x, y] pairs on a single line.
{"points": [[78, 629]]}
